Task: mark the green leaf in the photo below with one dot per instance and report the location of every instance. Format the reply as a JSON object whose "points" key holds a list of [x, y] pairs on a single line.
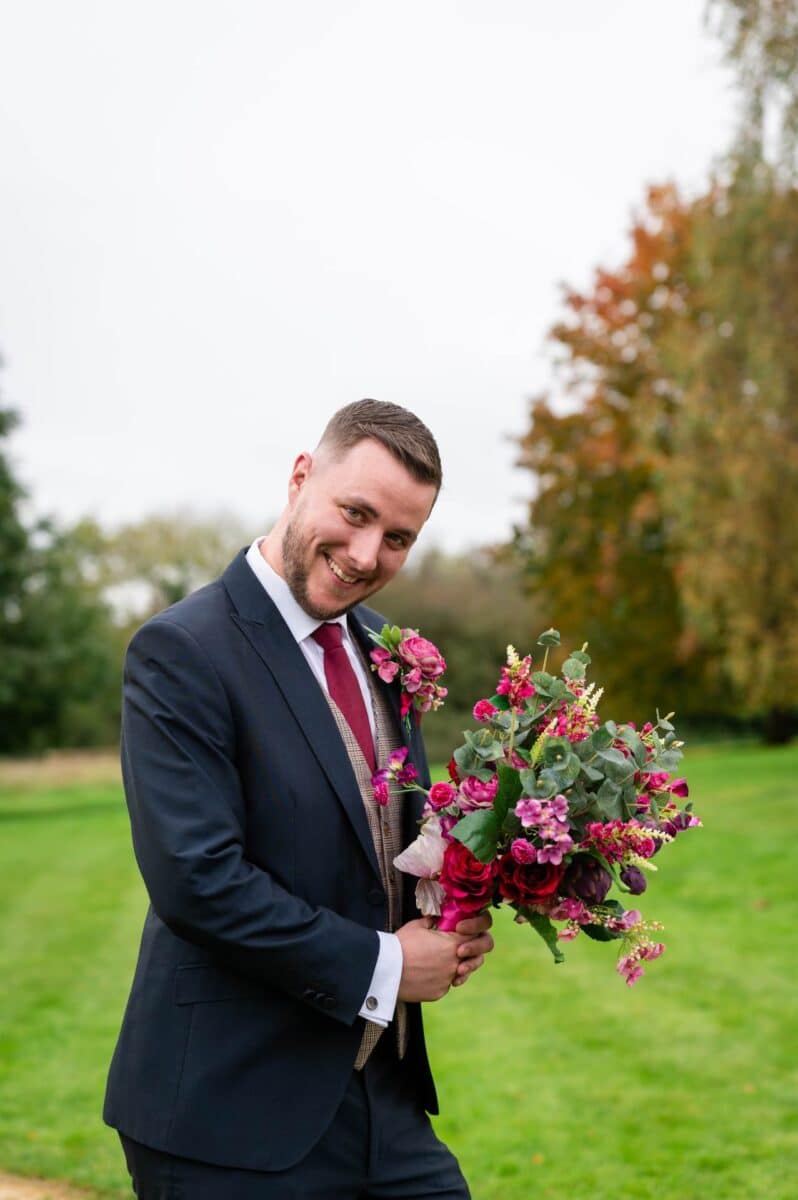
{"points": [[500, 702], [591, 773], [468, 764], [616, 765], [544, 928], [609, 802], [509, 791], [631, 738], [529, 782], [550, 782], [479, 831], [571, 768], [559, 690], [581, 656], [601, 738], [556, 751], [550, 637], [543, 682], [572, 668]]}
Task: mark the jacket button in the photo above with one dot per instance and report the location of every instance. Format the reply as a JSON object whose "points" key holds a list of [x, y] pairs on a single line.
{"points": [[371, 1003], [329, 1002], [376, 897]]}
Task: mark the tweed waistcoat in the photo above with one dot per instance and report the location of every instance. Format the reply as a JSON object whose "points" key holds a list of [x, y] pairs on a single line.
{"points": [[385, 826]]}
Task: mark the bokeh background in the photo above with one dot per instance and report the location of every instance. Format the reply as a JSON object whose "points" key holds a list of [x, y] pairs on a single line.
{"points": [[567, 237]]}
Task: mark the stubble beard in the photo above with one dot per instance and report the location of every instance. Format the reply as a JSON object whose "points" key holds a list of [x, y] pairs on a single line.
{"points": [[297, 558]]}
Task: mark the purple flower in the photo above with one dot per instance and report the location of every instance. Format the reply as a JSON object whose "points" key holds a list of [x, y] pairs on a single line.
{"points": [[529, 812], [634, 879], [587, 880]]}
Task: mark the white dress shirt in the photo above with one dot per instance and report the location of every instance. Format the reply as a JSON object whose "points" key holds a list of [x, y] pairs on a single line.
{"points": [[384, 986]]}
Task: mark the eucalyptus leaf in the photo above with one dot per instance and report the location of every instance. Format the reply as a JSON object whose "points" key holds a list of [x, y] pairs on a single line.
{"points": [[543, 682], [556, 750], [601, 738], [572, 668], [550, 637]]}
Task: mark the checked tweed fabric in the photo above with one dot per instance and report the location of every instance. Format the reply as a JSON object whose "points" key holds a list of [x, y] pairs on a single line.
{"points": [[385, 826]]}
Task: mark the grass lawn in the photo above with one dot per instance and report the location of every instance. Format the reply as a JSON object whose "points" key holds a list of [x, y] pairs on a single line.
{"points": [[554, 1081]]}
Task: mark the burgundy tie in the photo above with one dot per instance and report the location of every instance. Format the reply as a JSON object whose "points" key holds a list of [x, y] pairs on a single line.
{"points": [[344, 687]]}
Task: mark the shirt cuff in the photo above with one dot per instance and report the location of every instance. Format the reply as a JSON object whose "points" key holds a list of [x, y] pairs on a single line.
{"points": [[380, 1001]]}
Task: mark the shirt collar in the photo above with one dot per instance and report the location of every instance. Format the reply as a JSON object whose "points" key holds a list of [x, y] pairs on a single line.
{"points": [[300, 623]]}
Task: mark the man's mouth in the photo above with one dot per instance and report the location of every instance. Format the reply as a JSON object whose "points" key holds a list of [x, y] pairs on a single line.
{"points": [[338, 572]]}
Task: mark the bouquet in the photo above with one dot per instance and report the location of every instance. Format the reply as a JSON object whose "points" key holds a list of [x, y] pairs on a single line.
{"points": [[547, 808]]}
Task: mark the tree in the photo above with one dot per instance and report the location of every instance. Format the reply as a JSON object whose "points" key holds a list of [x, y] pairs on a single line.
{"points": [[146, 565], [665, 517], [760, 39], [59, 667], [595, 546]]}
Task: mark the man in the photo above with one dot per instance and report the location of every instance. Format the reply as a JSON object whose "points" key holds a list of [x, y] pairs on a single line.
{"points": [[272, 1045]]}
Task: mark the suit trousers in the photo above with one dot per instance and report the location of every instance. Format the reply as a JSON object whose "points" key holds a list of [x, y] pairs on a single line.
{"points": [[379, 1146]]}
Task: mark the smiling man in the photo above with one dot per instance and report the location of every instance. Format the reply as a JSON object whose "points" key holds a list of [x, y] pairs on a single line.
{"points": [[273, 1044]]}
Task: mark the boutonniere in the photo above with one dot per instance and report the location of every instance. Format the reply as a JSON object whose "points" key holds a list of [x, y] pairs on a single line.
{"points": [[417, 662]]}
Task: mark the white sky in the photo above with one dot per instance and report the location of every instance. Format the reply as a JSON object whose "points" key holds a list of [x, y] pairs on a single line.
{"points": [[220, 221]]}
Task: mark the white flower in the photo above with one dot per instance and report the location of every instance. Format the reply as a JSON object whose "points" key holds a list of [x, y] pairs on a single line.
{"points": [[424, 856]]}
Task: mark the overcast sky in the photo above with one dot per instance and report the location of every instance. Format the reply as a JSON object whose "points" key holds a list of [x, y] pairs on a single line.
{"points": [[221, 221]]}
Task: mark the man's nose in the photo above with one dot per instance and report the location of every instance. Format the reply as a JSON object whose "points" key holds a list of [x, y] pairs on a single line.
{"points": [[364, 550]]}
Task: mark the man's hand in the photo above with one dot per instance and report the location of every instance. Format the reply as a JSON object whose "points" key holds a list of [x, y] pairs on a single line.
{"points": [[432, 961], [471, 953], [429, 960]]}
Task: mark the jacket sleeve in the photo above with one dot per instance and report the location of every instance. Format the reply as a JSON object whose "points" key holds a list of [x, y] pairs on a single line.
{"points": [[187, 816]]}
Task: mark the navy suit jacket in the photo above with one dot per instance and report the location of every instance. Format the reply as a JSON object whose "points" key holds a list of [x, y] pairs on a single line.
{"points": [[260, 941]]}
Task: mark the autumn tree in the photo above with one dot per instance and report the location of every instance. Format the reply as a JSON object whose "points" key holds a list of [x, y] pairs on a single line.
{"points": [[664, 523], [596, 544]]}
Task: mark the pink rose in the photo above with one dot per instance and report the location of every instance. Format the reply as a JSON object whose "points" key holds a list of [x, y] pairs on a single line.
{"points": [[419, 652], [441, 795], [523, 851], [411, 680], [476, 794], [484, 710]]}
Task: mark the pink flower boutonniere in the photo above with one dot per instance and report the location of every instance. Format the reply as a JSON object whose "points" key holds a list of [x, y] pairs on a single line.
{"points": [[417, 662]]}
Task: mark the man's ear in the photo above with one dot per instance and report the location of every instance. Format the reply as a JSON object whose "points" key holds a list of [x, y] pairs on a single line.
{"points": [[300, 473]]}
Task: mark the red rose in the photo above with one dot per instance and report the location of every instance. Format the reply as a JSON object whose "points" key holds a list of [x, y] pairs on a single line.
{"points": [[467, 882], [451, 767], [528, 883]]}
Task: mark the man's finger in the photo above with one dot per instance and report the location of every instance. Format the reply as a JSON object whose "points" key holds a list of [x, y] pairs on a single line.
{"points": [[477, 946]]}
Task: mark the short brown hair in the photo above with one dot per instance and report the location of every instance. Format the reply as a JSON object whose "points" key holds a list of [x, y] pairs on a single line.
{"points": [[400, 431]]}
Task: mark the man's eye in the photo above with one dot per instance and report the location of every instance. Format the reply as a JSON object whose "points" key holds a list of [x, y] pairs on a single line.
{"points": [[354, 513], [396, 540]]}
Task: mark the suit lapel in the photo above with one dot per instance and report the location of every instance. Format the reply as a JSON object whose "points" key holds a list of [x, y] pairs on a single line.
{"points": [[261, 624]]}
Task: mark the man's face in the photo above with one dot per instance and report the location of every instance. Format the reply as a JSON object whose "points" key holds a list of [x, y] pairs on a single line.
{"points": [[352, 522]]}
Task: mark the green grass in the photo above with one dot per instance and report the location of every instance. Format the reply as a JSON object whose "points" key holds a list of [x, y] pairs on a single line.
{"points": [[554, 1081]]}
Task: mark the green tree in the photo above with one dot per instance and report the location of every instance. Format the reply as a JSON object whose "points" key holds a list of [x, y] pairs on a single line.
{"points": [[59, 661]]}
